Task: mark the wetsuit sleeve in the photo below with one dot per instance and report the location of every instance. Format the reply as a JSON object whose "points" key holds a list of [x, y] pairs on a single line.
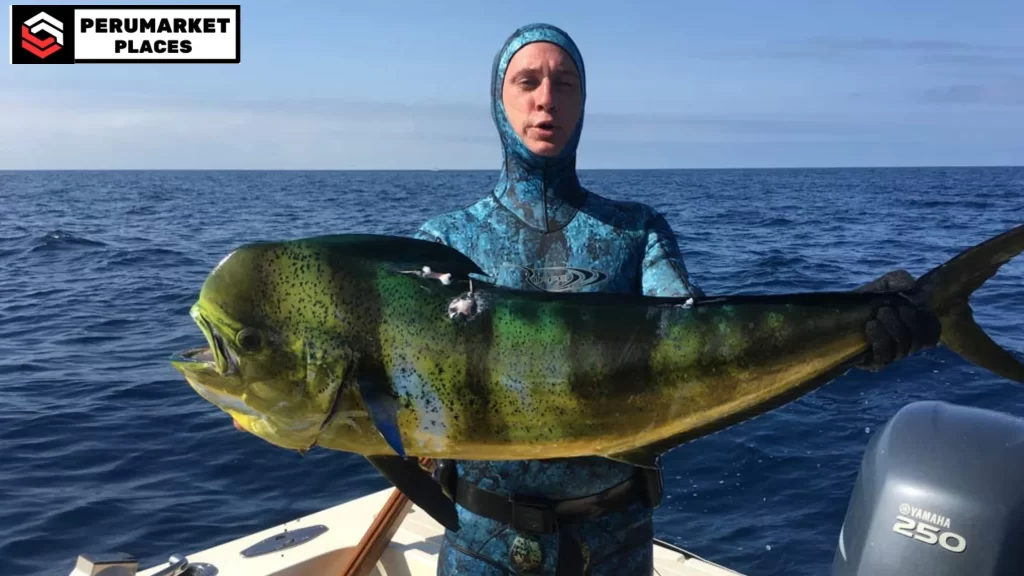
{"points": [[664, 273], [429, 231]]}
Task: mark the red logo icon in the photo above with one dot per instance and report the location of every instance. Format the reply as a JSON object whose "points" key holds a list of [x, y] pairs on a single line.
{"points": [[42, 22]]}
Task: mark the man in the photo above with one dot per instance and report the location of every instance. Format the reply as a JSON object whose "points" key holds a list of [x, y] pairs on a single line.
{"points": [[539, 229]]}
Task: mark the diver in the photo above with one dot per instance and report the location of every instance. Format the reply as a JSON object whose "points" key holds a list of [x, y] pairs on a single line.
{"points": [[539, 229]]}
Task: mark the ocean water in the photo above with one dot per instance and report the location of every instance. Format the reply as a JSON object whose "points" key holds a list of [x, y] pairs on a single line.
{"points": [[103, 447]]}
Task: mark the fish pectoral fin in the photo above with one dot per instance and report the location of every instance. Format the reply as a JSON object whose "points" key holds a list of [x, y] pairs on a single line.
{"points": [[382, 407], [419, 486], [644, 457]]}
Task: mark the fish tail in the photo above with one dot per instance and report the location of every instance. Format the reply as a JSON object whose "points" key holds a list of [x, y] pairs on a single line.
{"points": [[946, 289]]}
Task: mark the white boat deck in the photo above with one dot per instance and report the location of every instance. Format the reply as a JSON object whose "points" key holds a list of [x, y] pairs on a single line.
{"points": [[412, 552]]}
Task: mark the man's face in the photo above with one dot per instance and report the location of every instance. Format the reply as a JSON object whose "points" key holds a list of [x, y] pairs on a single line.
{"points": [[542, 97]]}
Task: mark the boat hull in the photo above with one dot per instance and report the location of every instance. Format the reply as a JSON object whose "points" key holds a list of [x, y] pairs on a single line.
{"points": [[322, 543]]}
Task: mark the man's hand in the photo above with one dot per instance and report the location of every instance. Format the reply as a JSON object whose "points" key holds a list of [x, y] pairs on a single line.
{"points": [[897, 331]]}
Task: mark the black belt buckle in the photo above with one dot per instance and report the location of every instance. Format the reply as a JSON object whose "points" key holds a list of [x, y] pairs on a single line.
{"points": [[447, 477], [532, 515]]}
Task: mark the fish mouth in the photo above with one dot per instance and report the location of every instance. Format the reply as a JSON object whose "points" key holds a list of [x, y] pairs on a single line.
{"points": [[217, 354], [227, 362], [200, 355]]}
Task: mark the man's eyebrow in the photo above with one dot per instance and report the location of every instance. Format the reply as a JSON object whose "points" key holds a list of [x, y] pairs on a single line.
{"points": [[560, 71], [527, 70]]}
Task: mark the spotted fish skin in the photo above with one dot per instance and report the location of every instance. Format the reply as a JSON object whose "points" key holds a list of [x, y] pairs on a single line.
{"points": [[517, 375], [532, 375]]}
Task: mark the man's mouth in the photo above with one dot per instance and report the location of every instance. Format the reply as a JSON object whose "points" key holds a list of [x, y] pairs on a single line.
{"points": [[545, 126]]}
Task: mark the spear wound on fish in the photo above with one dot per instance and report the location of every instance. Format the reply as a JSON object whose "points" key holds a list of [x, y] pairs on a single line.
{"points": [[426, 272], [464, 305]]}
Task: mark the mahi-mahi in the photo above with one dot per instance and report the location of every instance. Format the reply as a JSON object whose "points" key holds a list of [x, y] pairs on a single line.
{"points": [[393, 347]]}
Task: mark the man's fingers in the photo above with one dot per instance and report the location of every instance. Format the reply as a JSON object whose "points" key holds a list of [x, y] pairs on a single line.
{"points": [[926, 327], [882, 349], [899, 280], [902, 337], [895, 280], [909, 317], [897, 332]]}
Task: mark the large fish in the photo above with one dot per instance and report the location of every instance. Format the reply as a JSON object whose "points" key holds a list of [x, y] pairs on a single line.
{"points": [[387, 347]]}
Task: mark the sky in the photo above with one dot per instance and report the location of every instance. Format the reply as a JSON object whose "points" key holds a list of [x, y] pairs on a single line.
{"points": [[670, 84]]}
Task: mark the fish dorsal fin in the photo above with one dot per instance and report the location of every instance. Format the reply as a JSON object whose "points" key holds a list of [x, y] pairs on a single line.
{"points": [[401, 253]]}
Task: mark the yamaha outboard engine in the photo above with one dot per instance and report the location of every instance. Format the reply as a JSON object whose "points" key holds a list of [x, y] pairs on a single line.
{"points": [[940, 493]]}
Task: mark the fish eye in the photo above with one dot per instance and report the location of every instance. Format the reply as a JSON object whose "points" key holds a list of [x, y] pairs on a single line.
{"points": [[249, 339]]}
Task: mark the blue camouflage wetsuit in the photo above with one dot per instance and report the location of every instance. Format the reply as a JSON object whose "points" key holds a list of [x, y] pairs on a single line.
{"points": [[539, 229]]}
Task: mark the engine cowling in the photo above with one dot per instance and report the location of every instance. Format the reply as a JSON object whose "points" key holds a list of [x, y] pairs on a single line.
{"points": [[940, 493]]}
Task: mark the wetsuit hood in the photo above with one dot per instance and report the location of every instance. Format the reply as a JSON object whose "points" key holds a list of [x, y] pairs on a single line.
{"points": [[543, 192]]}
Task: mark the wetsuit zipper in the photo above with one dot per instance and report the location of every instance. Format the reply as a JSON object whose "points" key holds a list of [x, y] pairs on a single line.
{"points": [[544, 198]]}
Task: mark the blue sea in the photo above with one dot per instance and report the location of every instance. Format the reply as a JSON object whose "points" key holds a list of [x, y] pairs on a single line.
{"points": [[103, 447]]}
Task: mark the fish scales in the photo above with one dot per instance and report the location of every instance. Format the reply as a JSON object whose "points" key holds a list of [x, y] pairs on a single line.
{"points": [[523, 376], [382, 346]]}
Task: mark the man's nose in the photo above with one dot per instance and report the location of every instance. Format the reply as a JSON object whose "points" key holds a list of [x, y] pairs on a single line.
{"points": [[545, 99]]}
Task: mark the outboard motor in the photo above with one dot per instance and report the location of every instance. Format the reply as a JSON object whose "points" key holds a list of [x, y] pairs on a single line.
{"points": [[940, 493]]}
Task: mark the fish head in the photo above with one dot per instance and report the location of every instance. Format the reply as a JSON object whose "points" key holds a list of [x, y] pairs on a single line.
{"points": [[263, 363]]}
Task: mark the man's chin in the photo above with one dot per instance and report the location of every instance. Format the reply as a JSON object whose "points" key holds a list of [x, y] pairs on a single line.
{"points": [[544, 148]]}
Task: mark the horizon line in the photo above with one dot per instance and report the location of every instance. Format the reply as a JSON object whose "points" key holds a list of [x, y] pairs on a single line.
{"points": [[638, 169]]}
